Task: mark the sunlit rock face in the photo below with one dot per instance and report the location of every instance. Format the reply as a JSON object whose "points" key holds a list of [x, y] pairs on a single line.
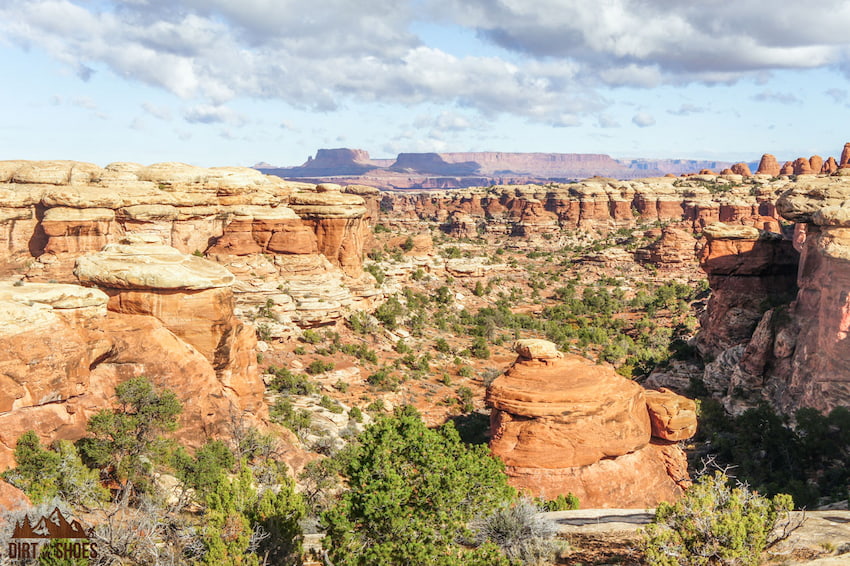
{"points": [[565, 425], [777, 324], [53, 212]]}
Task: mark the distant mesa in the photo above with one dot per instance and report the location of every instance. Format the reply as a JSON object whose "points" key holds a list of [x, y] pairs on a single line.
{"points": [[468, 169]]}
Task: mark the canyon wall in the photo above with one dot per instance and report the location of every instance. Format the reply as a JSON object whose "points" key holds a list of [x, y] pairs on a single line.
{"points": [[129, 270], [599, 204], [777, 327]]}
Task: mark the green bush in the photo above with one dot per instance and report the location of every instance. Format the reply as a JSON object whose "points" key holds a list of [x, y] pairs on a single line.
{"points": [[715, 524], [412, 493], [290, 383], [566, 502], [319, 366]]}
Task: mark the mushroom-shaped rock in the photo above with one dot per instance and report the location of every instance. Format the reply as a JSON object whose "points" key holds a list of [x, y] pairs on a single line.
{"points": [[673, 417], [565, 412]]}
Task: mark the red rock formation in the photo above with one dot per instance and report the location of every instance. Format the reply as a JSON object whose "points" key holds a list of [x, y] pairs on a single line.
{"points": [[829, 166], [727, 172], [563, 424], [63, 355], [802, 167], [746, 269], [741, 169], [787, 168], [672, 247], [768, 166], [337, 220], [844, 161], [11, 499], [673, 417], [816, 164]]}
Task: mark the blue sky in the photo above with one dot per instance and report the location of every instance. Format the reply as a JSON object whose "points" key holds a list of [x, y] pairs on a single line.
{"points": [[227, 82]]}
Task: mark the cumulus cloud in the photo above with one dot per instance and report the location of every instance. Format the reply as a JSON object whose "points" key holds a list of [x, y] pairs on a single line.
{"points": [[559, 53], [643, 120]]}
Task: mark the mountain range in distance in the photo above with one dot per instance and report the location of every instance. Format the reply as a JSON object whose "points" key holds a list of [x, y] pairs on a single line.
{"points": [[469, 169]]}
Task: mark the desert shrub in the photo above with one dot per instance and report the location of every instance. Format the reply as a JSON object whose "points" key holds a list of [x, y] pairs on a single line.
{"points": [[563, 502], [412, 492], [383, 380], [716, 524], [319, 366], [296, 420], [311, 336], [465, 395], [376, 272], [291, 383], [389, 313], [442, 346], [330, 404], [479, 348], [361, 323], [124, 442], [46, 473], [524, 535]]}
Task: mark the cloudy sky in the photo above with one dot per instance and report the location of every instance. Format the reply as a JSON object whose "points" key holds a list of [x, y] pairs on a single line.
{"points": [[234, 82]]}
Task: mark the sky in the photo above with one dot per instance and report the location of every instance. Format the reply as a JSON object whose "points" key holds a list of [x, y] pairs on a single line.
{"points": [[236, 82]]}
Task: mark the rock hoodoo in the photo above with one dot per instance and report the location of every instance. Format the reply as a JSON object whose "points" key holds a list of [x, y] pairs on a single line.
{"points": [[563, 424]]}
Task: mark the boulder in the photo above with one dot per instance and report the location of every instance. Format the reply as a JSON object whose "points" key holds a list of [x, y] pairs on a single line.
{"points": [[673, 417]]}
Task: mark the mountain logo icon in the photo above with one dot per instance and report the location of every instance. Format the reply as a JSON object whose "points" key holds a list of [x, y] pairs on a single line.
{"points": [[51, 526]]}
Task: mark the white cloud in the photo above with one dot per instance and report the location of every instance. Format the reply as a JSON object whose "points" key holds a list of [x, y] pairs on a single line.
{"points": [[780, 97], [643, 120], [208, 114], [556, 57]]}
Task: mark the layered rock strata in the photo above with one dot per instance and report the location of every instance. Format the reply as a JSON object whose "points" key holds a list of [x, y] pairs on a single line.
{"points": [[796, 353], [534, 210], [66, 347], [52, 212], [565, 425], [748, 271]]}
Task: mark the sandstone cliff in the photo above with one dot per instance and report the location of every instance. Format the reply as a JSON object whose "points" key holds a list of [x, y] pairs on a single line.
{"points": [[776, 324], [140, 238], [157, 313]]}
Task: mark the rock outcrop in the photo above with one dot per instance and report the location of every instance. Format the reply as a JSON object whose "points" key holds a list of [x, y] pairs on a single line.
{"points": [[776, 325], [563, 424], [53, 212], [768, 166], [748, 270], [66, 347]]}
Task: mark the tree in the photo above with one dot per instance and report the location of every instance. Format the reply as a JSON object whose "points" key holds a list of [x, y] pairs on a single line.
{"points": [[126, 439], [412, 492], [46, 473]]}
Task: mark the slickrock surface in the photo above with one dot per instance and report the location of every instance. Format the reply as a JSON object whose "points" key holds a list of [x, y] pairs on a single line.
{"points": [[564, 424]]}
